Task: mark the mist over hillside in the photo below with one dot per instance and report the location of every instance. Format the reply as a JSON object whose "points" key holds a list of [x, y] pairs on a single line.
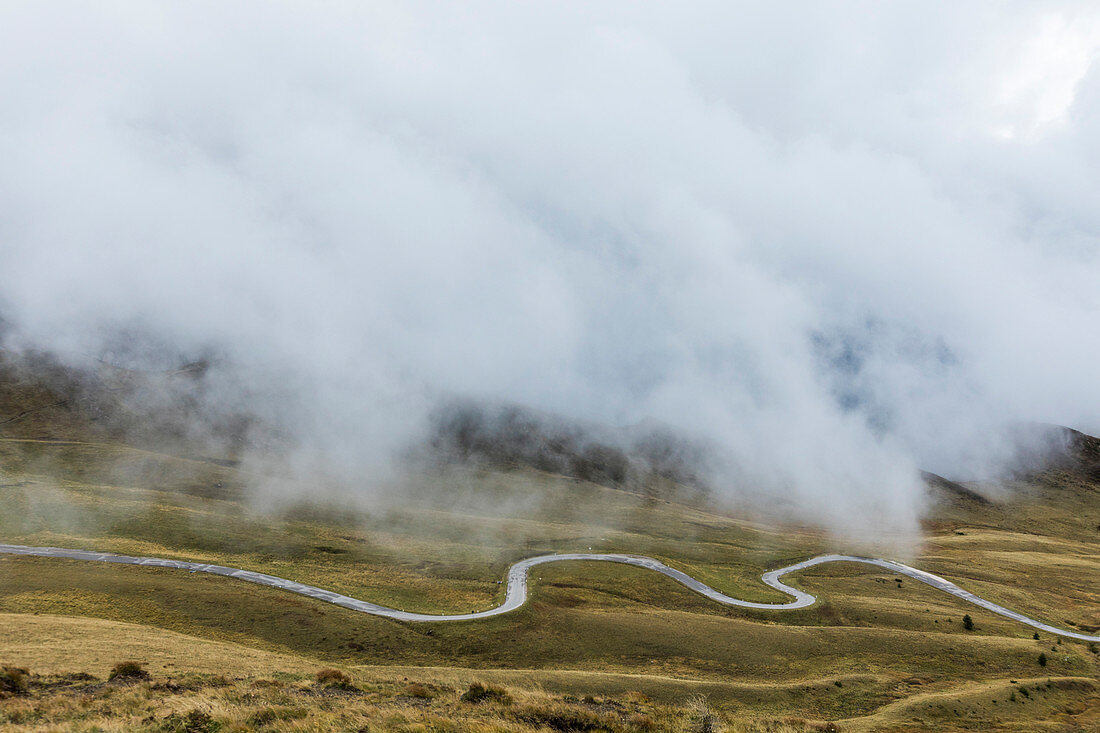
{"points": [[817, 254]]}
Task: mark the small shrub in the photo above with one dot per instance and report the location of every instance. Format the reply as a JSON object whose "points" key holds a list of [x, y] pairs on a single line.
{"points": [[263, 716], [419, 691], [640, 721], [1035, 636], [128, 670], [563, 718], [1093, 648], [13, 680], [81, 677], [1042, 659], [699, 717], [266, 716], [968, 623], [196, 721], [334, 678], [480, 692]]}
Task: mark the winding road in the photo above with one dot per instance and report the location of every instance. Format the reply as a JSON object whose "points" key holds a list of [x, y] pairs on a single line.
{"points": [[516, 594]]}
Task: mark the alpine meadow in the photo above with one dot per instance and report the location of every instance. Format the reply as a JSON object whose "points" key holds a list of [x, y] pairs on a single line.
{"points": [[528, 368]]}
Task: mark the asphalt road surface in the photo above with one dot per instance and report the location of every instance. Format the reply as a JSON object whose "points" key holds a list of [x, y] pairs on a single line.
{"points": [[517, 583]]}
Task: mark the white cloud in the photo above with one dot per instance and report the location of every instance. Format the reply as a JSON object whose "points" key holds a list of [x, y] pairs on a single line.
{"points": [[791, 231]]}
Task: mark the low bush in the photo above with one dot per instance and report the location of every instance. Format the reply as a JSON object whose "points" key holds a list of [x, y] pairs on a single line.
{"points": [[266, 716], [13, 680], [417, 690], [334, 678], [480, 692], [196, 721], [80, 677], [699, 718], [128, 670], [563, 718]]}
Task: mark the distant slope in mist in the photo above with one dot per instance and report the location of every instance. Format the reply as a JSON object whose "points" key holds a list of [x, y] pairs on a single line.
{"points": [[945, 490], [1081, 455], [1043, 449], [177, 411], [645, 458], [171, 410]]}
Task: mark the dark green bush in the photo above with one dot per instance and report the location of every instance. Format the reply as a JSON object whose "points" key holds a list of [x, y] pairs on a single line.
{"points": [[128, 670]]}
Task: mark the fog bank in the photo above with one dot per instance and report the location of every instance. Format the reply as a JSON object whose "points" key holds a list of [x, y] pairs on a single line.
{"points": [[838, 243]]}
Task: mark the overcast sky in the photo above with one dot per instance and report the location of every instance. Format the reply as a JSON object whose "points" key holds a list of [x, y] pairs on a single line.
{"points": [[840, 240]]}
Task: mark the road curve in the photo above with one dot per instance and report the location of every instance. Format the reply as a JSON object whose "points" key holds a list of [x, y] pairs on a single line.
{"points": [[516, 594]]}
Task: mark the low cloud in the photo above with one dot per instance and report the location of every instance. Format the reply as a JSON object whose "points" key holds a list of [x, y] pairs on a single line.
{"points": [[838, 244]]}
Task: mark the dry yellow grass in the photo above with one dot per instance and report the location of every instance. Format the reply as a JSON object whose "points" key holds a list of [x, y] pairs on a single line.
{"points": [[374, 700], [874, 654], [1039, 703], [58, 645]]}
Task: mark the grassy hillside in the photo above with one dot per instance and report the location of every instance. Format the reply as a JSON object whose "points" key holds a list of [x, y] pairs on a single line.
{"points": [[875, 653]]}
